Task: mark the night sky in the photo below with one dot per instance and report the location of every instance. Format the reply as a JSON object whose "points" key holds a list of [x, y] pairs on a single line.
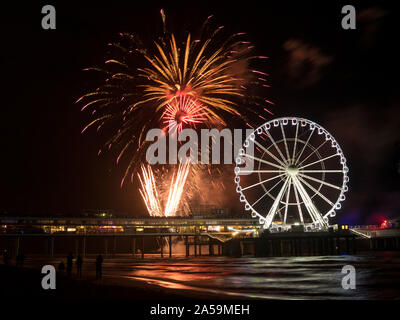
{"points": [[345, 80]]}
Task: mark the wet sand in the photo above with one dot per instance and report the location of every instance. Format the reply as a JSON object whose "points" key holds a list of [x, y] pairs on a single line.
{"points": [[25, 283]]}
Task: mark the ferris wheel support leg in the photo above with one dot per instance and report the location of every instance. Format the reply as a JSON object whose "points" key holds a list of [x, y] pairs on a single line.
{"points": [[298, 204], [274, 208], [287, 201], [312, 210]]}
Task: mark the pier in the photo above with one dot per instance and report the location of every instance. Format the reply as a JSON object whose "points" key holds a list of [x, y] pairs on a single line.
{"points": [[200, 236]]}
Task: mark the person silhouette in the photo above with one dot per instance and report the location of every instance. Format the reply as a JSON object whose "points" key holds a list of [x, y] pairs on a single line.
{"points": [[99, 261], [70, 257], [79, 262]]}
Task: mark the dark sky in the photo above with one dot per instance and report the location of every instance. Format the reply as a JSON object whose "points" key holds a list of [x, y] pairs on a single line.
{"points": [[345, 80]]}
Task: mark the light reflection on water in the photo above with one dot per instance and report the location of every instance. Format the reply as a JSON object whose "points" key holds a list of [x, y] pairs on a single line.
{"points": [[378, 275], [316, 277]]}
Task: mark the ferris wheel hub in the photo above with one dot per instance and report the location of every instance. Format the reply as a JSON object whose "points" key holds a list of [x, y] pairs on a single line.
{"points": [[292, 170]]}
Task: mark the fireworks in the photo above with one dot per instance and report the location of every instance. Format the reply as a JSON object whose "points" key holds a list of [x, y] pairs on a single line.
{"points": [[149, 192], [151, 196], [199, 81], [171, 83], [175, 192], [181, 111]]}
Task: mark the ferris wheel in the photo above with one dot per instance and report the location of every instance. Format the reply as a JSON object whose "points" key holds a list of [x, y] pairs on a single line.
{"points": [[291, 171]]}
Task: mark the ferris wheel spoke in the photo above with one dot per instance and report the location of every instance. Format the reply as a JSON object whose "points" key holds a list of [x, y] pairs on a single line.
{"points": [[261, 182], [321, 171], [318, 161], [298, 204], [255, 202], [267, 192], [287, 201], [314, 151], [286, 146], [317, 192], [260, 171], [263, 161], [304, 147], [295, 142], [269, 153], [306, 199], [311, 208], [275, 205], [275, 145], [320, 181], [273, 187], [278, 212]]}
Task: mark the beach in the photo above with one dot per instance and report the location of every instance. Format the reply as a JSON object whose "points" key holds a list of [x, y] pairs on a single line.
{"points": [[216, 278]]}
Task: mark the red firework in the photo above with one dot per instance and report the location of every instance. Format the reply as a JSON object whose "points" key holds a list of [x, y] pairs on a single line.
{"points": [[183, 110]]}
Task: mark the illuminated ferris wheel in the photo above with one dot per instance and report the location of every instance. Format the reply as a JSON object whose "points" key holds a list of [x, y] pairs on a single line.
{"points": [[291, 171]]}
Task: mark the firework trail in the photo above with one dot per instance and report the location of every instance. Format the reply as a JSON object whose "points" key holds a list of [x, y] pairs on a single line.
{"points": [[151, 196], [149, 192], [176, 189], [142, 86], [197, 82]]}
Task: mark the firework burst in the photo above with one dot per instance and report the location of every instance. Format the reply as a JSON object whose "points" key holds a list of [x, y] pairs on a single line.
{"points": [[182, 111], [195, 81]]}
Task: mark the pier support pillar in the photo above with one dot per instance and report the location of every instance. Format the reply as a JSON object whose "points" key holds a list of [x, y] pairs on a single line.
{"points": [[326, 246], [84, 246], [106, 246], [320, 247], [300, 248], [187, 246], [134, 247], [310, 252], [170, 246], [314, 250], [337, 245], [294, 247], [195, 246], [162, 247], [142, 250]]}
